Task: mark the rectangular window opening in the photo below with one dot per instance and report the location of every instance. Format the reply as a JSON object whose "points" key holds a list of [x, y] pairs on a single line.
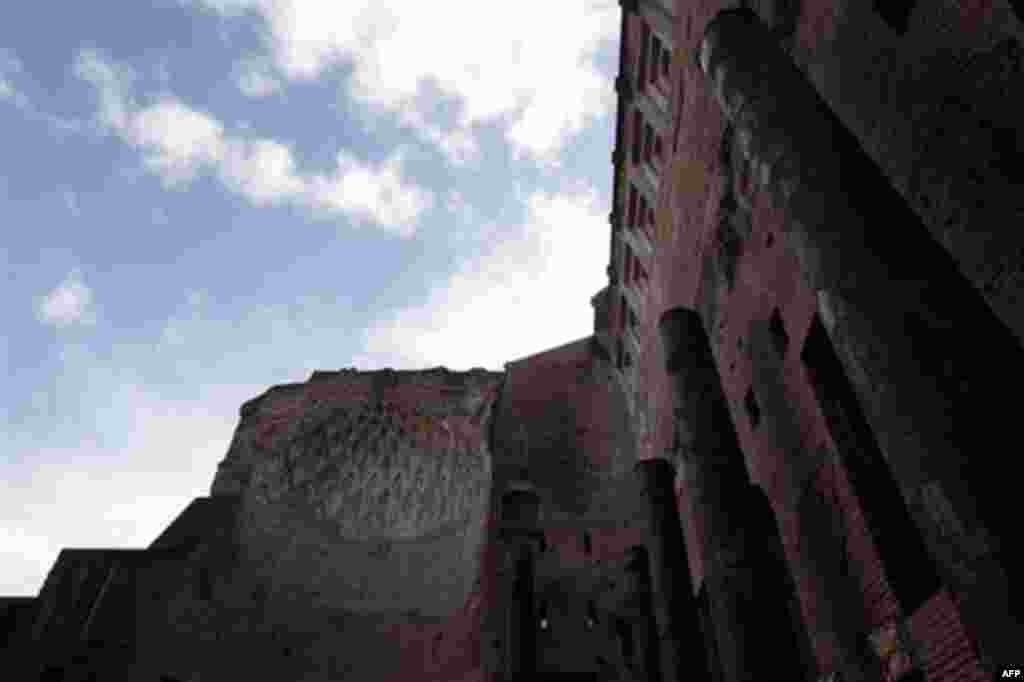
{"points": [[753, 409]]}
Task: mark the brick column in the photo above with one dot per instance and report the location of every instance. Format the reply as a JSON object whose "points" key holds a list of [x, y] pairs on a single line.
{"points": [[675, 610], [930, 363], [520, 531], [719, 486]]}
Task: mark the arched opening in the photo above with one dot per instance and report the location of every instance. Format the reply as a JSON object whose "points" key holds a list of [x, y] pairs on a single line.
{"points": [[520, 506]]}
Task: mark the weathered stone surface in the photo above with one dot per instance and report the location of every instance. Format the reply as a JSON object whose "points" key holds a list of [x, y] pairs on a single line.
{"points": [[385, 473], [563, 424], [680, 641]]}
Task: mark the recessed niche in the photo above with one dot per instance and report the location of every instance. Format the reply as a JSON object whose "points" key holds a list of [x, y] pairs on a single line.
{"points": [[910, 570], [780, 339], [205, 585], [753, 409], [625, 634], [896, 13]]}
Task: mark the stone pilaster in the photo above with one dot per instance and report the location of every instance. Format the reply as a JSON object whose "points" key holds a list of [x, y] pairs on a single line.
{"points": [[675, 611], [733, 553]]}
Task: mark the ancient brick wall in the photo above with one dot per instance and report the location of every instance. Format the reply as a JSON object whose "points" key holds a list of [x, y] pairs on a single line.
{"points": [[585, 591], [385, 473], [196, 606], [720, 247], [562, 423]]}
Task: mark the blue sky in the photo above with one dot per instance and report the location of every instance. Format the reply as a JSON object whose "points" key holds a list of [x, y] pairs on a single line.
{"points": [[202, 198]]}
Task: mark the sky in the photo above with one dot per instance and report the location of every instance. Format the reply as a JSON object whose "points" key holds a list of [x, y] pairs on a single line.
{"points": [[200, 199]]}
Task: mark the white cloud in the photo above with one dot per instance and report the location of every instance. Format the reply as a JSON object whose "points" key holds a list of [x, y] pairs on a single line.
{"points": [[526, 292], [26, 558], [255, 78], [530, 61], [458, 144], [179, 142], [113, 86], [70, 302], [263, 171], [377, 194], [153, 456]]}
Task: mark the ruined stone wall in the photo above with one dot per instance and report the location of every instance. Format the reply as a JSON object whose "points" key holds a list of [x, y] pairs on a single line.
{"points": [[385, 473], [563, 424], [192, 607], [585, 590]]}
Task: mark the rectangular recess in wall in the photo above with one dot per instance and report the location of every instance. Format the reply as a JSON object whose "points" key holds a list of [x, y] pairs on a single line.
{"points": [[710, 640], [908, 566], [645, 42], [896, 13]]}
